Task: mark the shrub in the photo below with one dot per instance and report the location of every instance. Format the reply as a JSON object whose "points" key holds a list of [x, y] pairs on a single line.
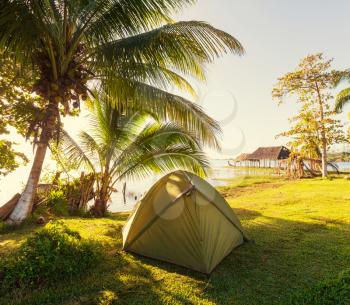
{"points": [[54, 253], [330, 292], [57, 203]]}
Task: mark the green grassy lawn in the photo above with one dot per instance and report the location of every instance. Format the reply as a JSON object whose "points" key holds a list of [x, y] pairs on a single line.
{"points": [[301, 233]]}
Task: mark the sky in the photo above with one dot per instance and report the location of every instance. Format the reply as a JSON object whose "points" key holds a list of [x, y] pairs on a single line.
{"points": [[276, 34]]}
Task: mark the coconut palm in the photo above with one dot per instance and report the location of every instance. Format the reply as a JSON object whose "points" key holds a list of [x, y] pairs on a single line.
{"points": [[128, 146], [342, 99], [130, 48]]}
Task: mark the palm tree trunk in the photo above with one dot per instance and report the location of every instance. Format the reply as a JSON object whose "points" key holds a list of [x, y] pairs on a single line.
{"points": [[25, 204], [99, 208]]}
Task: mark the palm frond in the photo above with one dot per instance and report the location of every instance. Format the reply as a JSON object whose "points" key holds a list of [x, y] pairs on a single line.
{"points": [[92, 149], [18, 30], [342, 99], [133, 96], [123, 18], [108, 124], [164, 160], [140, 147], [152, 145], [157, 76], [153, 136], [73, 151], [183, 46]]}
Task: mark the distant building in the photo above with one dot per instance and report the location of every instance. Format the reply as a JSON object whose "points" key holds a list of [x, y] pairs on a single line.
{"points": [[263, 157]]}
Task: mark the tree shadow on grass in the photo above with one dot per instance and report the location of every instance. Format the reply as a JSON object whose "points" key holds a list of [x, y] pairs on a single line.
{"points": [[286, 257], [115, 231], [119, 279]]}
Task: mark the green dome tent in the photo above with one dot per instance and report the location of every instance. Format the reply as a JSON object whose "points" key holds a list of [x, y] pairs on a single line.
{"points": [[183, 220]]}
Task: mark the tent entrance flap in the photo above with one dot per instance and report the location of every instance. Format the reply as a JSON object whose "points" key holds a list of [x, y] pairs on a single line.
{"points": [[157, 215]]}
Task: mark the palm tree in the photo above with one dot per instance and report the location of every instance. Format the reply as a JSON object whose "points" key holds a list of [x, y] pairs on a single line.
{"points": [[130, 48], [123, 146], [342, 99]]}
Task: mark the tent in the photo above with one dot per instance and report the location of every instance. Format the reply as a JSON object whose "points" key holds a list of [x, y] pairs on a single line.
{"points": [[183, 220]]}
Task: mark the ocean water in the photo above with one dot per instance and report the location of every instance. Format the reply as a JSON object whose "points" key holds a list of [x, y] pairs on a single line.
{"points": [[343, 166]]}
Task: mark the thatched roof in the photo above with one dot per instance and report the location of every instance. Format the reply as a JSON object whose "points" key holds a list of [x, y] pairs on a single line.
{"points": [[242, 157], [270, 153]]}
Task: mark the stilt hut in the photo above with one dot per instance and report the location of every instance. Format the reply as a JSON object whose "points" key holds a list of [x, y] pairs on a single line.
{"points": [[270, 157], [242, 160]]}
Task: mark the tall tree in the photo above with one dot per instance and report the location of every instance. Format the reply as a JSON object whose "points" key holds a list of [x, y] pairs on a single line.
{"points": [[131, 49], [17, 109], [120, 146], [10, 159], [305, 136], [312, 83]]}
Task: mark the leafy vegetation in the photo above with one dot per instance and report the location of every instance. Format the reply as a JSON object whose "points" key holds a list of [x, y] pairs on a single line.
{"points": [[64, 196], [120, 146], [52, 254], [58, 202], [10, 159], [339, 157], [300, 230], [314, 128], [126, 60], [17, 108], [131, 51]]}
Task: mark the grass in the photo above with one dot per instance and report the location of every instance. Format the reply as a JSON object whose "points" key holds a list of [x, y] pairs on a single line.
{"points": [[301, 235]]}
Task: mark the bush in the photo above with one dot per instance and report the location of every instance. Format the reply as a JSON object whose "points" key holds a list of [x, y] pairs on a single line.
{"points": [[54, 253], [57, 203], [330, 292]]}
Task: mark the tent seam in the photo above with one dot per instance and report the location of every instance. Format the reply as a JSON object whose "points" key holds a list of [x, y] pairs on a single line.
{"points": [[155, 218]]}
